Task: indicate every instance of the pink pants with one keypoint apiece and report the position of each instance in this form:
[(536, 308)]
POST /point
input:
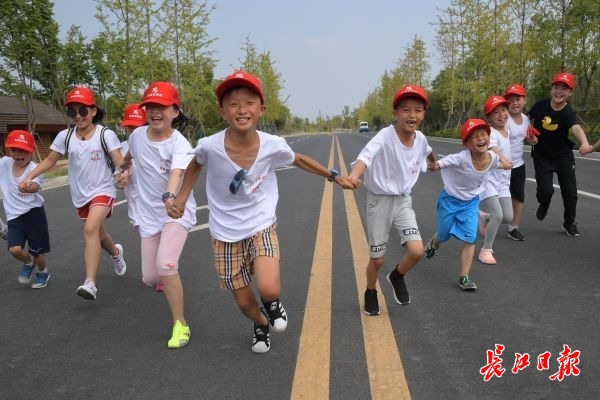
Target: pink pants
[(160, 252)]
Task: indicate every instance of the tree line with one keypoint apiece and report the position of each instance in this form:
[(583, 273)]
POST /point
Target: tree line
[(483, 46)]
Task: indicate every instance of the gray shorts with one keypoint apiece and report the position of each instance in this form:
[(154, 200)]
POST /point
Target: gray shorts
[(383, 212)]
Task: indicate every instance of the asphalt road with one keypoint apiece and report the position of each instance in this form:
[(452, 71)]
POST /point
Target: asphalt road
[(542, 295)]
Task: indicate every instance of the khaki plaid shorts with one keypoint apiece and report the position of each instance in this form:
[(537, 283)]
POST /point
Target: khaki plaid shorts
[(234, 262)]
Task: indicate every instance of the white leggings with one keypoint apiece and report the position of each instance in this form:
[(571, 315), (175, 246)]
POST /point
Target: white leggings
[(500, 211), (160, 252)]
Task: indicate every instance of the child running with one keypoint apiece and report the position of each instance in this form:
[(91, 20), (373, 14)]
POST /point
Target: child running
[(133, 117), (25, 213), (391, 163), (161, 155), (91, 149), (495, 199), (520, 129), (464, 174), (241, 187)]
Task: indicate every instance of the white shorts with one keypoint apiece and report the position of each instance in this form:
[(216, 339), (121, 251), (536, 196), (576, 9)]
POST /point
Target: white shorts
[(385, 211)]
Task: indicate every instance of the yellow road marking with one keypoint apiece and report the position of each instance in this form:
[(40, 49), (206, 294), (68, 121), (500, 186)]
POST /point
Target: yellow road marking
[(386, 373), (311, 378)]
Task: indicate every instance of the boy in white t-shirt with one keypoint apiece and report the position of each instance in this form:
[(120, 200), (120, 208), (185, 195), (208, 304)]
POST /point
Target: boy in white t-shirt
[(391, 163), (90, 147), (520, 129), (25, 213), (242, 216), (464, 175)]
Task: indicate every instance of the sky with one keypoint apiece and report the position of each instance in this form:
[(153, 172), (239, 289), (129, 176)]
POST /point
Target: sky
[(330, 53)]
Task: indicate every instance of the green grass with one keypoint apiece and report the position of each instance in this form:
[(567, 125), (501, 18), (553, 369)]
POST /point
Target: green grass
[(55, 173)]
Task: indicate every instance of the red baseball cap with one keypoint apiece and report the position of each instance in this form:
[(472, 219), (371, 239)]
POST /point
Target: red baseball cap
[(81, 94), (492, 102), (515, 88), (470, 126), (133, 115), (410, 91), (18, 139), (239, 78), (565, 77), (162, 93)]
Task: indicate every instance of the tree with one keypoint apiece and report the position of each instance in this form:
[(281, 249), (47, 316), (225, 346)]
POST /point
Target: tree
[(28, 52)]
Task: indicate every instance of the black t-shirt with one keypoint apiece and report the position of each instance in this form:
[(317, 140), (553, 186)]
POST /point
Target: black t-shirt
[(553, 127)]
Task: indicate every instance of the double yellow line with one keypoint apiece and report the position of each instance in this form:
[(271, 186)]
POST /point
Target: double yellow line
[(311, 378)]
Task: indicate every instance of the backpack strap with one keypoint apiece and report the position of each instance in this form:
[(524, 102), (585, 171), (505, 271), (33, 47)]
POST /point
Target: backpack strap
[(68, 139), (109, 161)]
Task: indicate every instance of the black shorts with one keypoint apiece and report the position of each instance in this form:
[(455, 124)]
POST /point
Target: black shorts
[(517, 183), (30, 228)]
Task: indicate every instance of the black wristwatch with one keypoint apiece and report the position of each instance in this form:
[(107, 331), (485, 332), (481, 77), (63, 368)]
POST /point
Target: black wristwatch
[(332, 174), (167, 195)]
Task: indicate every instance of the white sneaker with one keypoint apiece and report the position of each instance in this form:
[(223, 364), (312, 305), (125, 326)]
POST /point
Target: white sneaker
[(3, 230), (88, 290), (118, 262), (276, 315)]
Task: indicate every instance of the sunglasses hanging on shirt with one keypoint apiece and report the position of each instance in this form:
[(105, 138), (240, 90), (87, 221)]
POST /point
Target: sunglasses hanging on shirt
[(237, 180)]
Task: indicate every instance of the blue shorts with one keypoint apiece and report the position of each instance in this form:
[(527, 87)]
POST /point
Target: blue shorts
[(30, 228), (458, 218)]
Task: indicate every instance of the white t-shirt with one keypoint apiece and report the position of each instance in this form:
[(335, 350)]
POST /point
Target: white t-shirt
[(393, 168), (15, 202), (234, 217), (89, 176), (518, 133), (461, 179), (498, 182), (131, 189), (153, 164)]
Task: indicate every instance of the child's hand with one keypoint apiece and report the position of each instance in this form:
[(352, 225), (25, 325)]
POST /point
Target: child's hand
[(505, 164), (433, 166), (122, 179), (354, 181), (24, 185), (532, 135), (174, 208), (343, 181), (585, 149)]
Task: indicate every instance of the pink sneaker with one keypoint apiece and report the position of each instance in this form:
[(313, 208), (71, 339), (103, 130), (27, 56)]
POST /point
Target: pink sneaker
[(482, 223), (486, 256)]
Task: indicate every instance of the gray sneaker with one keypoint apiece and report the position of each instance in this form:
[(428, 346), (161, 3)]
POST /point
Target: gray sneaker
[(88, 290), (119, 262)]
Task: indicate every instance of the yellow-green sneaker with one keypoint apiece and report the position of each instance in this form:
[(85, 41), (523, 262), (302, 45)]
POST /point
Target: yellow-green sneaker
[(180, 337)]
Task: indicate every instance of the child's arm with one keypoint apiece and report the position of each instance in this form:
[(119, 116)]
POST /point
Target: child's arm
[(311, 165), (431, 161), (48, 162), (192, 172), (579, 134), (358, 169), (122, 173), (169, 197), (595, 147), (32, 188), (504, 162)]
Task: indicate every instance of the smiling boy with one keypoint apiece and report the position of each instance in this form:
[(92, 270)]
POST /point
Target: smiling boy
[(242, 193), (391, 163), (553, 118)]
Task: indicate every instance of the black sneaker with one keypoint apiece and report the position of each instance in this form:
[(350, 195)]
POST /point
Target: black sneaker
[(400, 292), (541, 212), (371, 302), (261, 343), (516, 234), (570, 229), (276, 315)]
